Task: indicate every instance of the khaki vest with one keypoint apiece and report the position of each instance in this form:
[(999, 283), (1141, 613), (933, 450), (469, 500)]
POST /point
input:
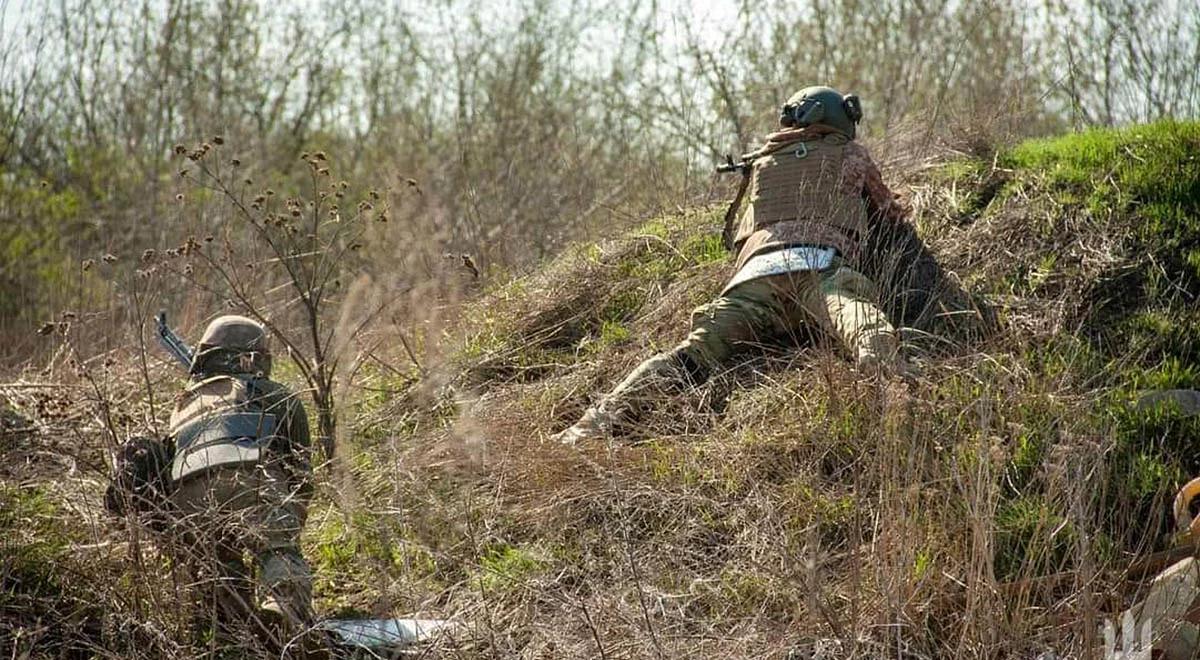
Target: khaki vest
[(796, 198), (216, 423)]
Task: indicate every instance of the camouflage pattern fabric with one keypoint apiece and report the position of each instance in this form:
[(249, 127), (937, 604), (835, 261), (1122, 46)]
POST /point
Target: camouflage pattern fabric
[(835, 307), (229, 513), (255, 510)]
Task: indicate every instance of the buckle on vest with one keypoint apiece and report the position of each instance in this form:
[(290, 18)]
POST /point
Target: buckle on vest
[(802, 151)]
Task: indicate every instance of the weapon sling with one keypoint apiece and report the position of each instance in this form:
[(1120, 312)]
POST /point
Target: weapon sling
[(728, 233)]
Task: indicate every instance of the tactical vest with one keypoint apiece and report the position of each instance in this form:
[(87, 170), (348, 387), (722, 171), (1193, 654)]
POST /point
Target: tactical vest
[(217, 422), (797, 198)]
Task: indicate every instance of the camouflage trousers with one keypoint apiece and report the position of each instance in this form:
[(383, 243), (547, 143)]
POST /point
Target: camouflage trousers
[(230, 513), (834, 307)]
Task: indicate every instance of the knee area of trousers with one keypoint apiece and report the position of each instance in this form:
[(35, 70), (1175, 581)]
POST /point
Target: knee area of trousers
[(879, 346), (284, 566)]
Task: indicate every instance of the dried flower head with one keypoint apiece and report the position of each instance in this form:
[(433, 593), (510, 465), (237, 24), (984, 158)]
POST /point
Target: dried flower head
[(217, 139), (179, 149), (87, 264), (109, 258)]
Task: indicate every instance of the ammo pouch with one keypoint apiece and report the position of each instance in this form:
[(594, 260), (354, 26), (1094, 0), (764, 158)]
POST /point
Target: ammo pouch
[(218, 423)]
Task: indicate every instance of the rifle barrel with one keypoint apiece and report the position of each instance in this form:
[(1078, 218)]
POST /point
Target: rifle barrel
[(172, 343)]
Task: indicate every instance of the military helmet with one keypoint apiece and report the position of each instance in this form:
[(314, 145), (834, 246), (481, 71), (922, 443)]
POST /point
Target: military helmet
[(233, 344), (822, 105)]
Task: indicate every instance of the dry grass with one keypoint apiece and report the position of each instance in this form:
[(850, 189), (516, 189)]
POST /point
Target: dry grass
[(989, 512)]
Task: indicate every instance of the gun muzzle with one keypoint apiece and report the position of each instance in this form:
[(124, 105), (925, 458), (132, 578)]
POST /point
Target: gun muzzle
[(732, 166)]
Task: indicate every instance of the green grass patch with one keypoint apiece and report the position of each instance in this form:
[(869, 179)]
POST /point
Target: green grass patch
[(1148, 173), (503, 566), (1032, 538)]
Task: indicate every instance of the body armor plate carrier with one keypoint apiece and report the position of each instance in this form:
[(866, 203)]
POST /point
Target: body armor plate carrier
[(217, 423), (797, 198)]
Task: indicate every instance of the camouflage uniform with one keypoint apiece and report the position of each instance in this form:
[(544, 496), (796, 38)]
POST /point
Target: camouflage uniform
[(238, 494), (818, 213)]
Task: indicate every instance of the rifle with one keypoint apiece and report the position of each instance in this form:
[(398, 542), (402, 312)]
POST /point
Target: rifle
[(743, 166), (172, 343)]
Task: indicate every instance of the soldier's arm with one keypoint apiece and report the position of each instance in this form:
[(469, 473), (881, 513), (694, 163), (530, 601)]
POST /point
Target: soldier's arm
[(299, 455), (882, 204), (916, 290)]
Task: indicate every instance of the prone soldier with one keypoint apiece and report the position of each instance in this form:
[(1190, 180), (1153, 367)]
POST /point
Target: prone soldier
[(815, 195)]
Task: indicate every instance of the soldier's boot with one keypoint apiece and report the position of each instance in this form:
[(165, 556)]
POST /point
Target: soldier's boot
[(303, 643), (595, 423), (287, 603), (653, 377), (273, 625)]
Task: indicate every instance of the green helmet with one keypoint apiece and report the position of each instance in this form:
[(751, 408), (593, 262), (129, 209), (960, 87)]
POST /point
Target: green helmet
[(233, 344), (822, 105)]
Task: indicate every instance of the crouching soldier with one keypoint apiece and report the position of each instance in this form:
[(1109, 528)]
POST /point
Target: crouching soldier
[(241, 475), (815, 195)]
